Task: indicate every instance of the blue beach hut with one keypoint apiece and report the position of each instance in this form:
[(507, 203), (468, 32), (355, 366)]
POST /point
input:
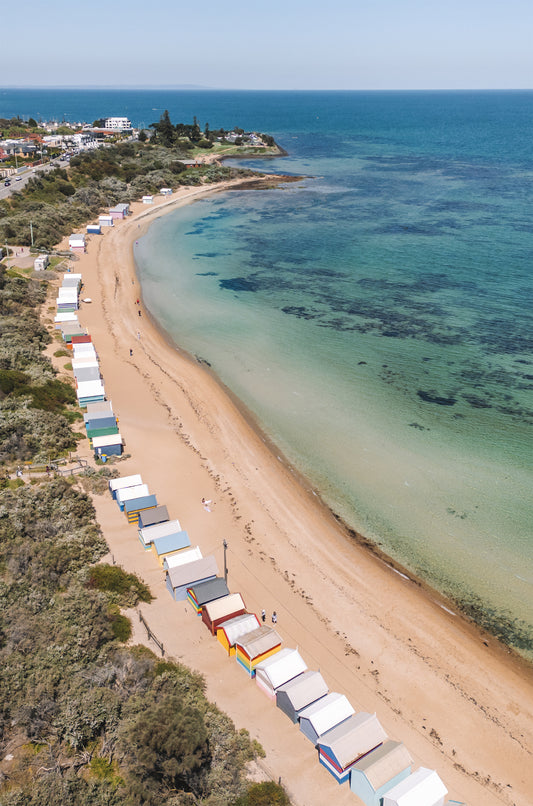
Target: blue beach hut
[(379, 771), (170, 544)]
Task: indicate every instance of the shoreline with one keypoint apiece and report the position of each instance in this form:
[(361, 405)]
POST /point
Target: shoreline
[(299, 532)]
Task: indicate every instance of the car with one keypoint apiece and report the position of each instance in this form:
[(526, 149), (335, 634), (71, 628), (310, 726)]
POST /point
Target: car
[(18, 179), (7, 184)]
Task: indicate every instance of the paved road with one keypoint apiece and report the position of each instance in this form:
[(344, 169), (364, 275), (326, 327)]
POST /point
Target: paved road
[(19, 180)]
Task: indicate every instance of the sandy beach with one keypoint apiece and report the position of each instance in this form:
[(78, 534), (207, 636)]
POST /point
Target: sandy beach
[(460, 702)]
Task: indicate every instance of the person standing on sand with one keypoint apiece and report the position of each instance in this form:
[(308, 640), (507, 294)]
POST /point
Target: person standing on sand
[(131, 351), (263, 616), (274, 617)]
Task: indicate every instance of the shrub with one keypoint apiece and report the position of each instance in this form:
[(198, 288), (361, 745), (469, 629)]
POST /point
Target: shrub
[(113, 579)]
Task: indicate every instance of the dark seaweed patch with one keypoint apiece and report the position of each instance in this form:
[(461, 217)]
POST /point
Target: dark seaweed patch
[(207, 274), (240, 284), (433, 397)]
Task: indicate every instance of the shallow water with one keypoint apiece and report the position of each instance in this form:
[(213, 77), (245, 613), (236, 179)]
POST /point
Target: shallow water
[(376, 317)]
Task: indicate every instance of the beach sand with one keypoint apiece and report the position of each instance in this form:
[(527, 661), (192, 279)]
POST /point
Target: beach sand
[(460, 702)]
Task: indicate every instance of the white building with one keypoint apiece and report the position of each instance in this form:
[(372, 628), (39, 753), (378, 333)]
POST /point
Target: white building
[(117, 123)]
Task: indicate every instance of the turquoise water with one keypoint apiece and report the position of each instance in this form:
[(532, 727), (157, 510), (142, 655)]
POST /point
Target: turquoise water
[(375, 316)]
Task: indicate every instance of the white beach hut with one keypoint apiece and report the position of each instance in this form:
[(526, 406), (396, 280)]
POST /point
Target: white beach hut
[(147, 199), (324, 714), (421, 788), (297, 694), (182, 558), (273, 672)]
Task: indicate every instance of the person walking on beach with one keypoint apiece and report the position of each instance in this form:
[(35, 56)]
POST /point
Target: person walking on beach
[(274, 617), (131, 351), (263, 616)]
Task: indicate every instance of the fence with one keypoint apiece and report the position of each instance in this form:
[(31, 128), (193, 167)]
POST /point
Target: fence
[(150, 634)]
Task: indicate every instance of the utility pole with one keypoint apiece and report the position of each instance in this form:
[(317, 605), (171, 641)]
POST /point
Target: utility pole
[(31, 232), (224, 543)]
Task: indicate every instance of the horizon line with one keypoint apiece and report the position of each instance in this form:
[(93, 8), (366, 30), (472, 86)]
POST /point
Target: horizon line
[(201, 88)]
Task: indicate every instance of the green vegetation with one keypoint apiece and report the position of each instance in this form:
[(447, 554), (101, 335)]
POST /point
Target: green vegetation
[(84, 719)]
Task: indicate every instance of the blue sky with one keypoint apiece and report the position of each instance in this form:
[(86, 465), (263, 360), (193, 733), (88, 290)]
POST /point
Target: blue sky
[(362, 44)]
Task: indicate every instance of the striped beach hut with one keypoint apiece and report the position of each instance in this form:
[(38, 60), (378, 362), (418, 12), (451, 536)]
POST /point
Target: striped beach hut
[(127, 493), (110, 445), (252, 648), (216, 613), (121, 483), (343, 745), (135, 506), (152, 517), (230, 631), (324, 714), (89, 392), (168, 545), (182, 558), (149, 533), (273, 672), (201, 593), (180, 578), (379, 771), (422, 788), (297, 694)]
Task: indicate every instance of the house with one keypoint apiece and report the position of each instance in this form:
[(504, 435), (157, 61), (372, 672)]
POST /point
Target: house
[(149, 533), (379, 771), (153, 516), (76, 242), (182, 558), (180, 578), (201, 593), (324, 714), (110, 445), (117, 124), (135, 506), (421, 788), (121, 483), (230, 631), (340, 747), (273, 672), (220, 610), (297, 694), (170, 544), (252, 648), (41, 262)]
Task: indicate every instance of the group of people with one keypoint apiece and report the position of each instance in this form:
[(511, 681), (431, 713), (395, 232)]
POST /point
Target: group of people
[(274, 617)]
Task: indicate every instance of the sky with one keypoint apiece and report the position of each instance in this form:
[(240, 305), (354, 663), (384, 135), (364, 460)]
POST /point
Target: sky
[(282, 44)]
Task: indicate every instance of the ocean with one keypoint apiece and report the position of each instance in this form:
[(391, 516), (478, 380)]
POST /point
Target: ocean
[(375, 316)]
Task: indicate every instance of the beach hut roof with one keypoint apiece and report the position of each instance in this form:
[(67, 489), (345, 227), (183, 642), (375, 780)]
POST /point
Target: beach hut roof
[(153, 516), (66, 316), (136, 504), (184, 557), (100, 405), (259, 641), (149, 533), (422, 788), (90, 388), (188, 574), (305, 689), (97, 417), (127, 493), (384, 763), (106, 442), (327, 712), (206, 592), (125, 481), (224, 606), (353, 737), (240, 625), (173, 542), (281, 667)]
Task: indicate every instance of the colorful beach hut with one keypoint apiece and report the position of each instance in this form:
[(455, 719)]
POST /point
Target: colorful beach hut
[(121, 483), (134, 507), (119, 211), (297, 694), (149, 533), (379, 771), (228, 607), (102, 428), (93, 229), (273, 672), (252, 648), (89, 392), (203, 592), (105, 220), (230, 631), (422, 788), (127, 493), (153, 516), (324, 714), (182, 558), (343, 745), (110, 445), (180, 578), (76, 242), (168, 545)]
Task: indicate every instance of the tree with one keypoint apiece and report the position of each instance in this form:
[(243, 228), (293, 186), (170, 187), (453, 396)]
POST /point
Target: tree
[(165, 130), (142, 136), (32, 123)]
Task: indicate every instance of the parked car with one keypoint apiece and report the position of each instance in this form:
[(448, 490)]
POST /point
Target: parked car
[(7, 184), (18, 179)]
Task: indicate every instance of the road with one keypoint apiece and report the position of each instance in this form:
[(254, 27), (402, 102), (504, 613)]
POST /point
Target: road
[(19, 180)]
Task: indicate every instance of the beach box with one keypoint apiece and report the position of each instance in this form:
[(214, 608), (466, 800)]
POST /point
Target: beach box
[(136, 505), (204, 592), (229, 631), (102, 405), (252, 648), (89, 392), (273, 672), (87, 373), (324, 714), (220, 610), (380, 770), (180, 578), (169, 545), (128, 493), (166, 191), (147, 199), (121, 483), (423, 786), (342, 746), (105, 220), (182, 558), (82, 338), (297, 694), (94, 229), (98, 417), (154, 516), (149, 533), (107, 446)]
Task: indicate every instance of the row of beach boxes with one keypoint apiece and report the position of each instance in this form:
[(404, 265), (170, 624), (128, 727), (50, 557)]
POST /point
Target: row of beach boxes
[(67, 300), (352, 746), (77, 241)]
